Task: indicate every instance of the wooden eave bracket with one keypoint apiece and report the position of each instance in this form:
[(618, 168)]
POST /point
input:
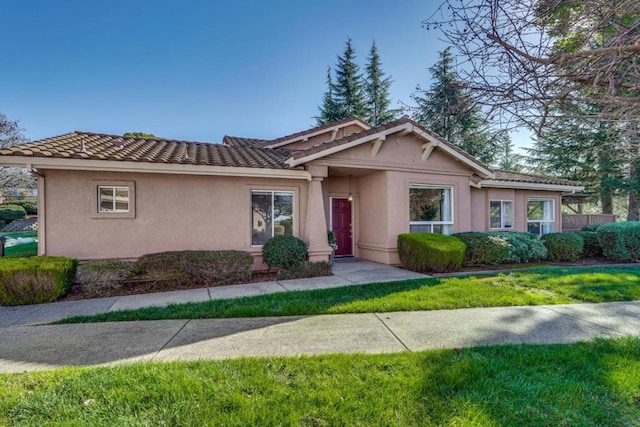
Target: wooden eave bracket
[(376, 144), (427, 149), (334, 133)]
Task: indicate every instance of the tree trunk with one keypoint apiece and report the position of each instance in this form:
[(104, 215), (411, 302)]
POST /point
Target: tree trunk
[(634, 203), (606, 199)]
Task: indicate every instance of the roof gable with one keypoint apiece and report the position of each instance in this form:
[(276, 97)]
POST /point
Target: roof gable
[(377, 135)]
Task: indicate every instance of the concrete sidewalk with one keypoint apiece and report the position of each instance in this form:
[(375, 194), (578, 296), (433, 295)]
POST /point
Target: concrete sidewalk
[(24, 348), (347, 272)]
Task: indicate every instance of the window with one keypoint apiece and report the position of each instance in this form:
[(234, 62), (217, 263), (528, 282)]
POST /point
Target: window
[(540, 216), (501, 214), (271, 215), (113, 199), (430, 209)]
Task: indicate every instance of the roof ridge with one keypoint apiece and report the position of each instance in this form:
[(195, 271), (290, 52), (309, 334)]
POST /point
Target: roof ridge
[(315, 129), (159, 139)]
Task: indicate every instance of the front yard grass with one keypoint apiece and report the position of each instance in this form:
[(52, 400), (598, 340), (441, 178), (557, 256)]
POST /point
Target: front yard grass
[(586, 384), (25, 250), (517, 288)]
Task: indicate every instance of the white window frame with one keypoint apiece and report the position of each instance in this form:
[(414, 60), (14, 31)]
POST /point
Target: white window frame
[(431, 224), (114, 189), (503, 219), (273, 224), (551, 221), (97, 212)]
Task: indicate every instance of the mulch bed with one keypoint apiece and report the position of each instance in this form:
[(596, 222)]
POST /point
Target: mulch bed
[(145, 287)]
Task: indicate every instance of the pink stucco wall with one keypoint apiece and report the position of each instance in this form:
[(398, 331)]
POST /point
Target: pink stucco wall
[(173, 212)]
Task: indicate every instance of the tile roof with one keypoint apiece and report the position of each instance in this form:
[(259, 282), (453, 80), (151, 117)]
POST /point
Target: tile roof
[(314, 130), (95, 146), (239, 141), (508, 176)]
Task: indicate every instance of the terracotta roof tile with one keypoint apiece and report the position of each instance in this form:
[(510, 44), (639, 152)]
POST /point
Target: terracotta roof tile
[(93, 146), (313, 130), (502, 175), (239, 141)]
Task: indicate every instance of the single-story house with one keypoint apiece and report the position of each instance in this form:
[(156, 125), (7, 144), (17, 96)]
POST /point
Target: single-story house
[(108, 196)]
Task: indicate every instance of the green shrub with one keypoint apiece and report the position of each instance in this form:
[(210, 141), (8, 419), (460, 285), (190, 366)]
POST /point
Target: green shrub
[(284, 251), (100, 277), (620, 240), (35, 280), (592, 247), (10, 212), (563, 246), (427, 252), (2, 224), (483, 248), (305, 270), (31, 208), (193, 268), (501, 247), (593, 227)]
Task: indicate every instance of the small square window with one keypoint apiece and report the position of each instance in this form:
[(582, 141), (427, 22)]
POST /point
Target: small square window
[(501, 214), (113, 199)]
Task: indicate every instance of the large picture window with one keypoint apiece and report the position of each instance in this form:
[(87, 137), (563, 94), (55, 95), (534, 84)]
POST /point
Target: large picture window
[(501, 214), (271, 215), (430, 209), (113, 199), (540, 216)]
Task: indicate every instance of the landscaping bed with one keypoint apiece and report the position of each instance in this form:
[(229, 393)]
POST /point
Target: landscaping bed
[(145, 286)]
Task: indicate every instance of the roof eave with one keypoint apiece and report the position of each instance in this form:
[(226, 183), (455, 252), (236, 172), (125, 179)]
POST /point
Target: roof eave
[(149, 167), (316, 133), (530, 186)]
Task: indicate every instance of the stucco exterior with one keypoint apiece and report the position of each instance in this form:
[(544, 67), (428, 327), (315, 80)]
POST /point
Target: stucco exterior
[(187, 196)]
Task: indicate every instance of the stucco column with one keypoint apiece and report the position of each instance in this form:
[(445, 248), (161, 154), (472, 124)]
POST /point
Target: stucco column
[(316, 223)]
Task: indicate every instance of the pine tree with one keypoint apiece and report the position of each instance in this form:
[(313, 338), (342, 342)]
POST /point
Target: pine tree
[(349, 85), (448, 110), (506, 158), (329, 111), (377, 86)]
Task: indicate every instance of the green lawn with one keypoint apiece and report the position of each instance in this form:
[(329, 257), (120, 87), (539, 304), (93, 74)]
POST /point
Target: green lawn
[(26, 250), (533, 287), (587, 384)]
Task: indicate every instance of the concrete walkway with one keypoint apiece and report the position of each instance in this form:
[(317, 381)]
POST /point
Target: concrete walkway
[(25, 347), (347, 272)]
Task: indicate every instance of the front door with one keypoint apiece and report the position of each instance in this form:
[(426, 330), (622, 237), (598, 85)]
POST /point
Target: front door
[(341, 225)]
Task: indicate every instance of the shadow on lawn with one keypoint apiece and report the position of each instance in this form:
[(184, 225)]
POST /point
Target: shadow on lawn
[(584, 384)]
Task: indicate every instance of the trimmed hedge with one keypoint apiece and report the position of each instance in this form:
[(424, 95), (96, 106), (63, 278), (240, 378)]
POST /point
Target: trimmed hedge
[(10, 212), (303, 271), (501, 247), (30, 207), (427, 252), (35, 280), (620, 240), (593, 227), (284, 251), (213, 268), (591, 247), (100, 277), (563, 246)]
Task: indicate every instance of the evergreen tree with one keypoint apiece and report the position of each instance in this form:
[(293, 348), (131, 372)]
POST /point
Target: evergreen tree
[(448, 110), (329, 111), (506, 158), (575, 147), (377, 86), (349, 85)]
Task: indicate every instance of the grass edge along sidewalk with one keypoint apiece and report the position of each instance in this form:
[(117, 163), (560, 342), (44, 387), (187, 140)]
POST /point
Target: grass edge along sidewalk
[(586, 384), (515, 288)]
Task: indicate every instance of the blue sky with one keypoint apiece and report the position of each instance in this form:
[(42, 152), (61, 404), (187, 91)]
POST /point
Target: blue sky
[(196, 70)]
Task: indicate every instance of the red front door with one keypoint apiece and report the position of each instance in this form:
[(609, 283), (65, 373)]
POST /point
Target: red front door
[(341, 225)]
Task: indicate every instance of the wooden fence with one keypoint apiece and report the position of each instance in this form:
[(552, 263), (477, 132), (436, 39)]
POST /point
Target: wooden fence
[(577, 221)]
